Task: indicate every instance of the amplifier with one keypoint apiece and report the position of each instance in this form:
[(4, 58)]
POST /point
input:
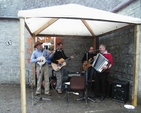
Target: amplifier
[(120, 91)]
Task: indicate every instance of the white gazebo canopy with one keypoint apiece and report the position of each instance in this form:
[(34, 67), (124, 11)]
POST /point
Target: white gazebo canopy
[(72, 19)]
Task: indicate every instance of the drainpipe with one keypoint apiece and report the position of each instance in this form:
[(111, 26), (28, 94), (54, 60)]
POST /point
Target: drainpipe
[(122, 5)]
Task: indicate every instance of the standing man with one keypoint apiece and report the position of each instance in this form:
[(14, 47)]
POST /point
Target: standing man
[(40, 57), (87, 61), (101, 78), (59, 53)]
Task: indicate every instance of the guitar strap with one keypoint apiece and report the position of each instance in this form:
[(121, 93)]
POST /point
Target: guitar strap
[(87, 56), (42, 52)]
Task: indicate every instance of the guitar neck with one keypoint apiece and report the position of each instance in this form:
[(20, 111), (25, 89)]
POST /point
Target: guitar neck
[(68, 59), (64, 60)]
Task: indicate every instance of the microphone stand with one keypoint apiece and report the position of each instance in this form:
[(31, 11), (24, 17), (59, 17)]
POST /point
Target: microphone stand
[(86, 97), (86, 91)]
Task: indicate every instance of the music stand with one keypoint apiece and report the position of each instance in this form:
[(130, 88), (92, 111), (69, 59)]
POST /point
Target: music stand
[(86, 97)]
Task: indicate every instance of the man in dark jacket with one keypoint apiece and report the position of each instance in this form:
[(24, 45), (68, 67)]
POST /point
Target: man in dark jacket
[(87, 61), (57, 62)]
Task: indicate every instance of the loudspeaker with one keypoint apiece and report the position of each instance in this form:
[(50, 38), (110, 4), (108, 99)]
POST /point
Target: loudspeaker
[(120, 91)]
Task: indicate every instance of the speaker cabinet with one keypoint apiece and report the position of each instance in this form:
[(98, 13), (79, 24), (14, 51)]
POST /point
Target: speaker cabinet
[(120, 91)]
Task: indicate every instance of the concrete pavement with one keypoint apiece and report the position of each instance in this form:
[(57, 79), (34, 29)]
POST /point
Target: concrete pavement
[(10, 102)]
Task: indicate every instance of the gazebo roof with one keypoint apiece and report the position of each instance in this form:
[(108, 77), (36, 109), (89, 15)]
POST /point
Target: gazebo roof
[(73, 19)]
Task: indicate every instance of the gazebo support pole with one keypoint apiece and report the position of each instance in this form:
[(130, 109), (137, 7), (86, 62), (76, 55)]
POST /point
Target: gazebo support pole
[(136, 72), (33, 65), (22, 66)]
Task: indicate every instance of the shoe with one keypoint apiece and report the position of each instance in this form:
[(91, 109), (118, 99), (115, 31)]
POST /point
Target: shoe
[(102, 98), (48, 94), (59, 91), (37, 94)]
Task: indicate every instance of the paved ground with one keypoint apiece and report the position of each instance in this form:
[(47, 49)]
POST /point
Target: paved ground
[(10, 103)]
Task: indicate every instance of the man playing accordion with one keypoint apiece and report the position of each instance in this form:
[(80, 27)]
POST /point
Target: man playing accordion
[(101, 77)]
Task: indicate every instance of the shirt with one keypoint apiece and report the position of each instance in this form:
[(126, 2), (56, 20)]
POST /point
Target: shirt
[(110, 58), (37, 53)]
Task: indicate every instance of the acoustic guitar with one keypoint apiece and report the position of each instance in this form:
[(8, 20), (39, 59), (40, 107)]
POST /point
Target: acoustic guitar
[(87, 64), (57, 67)]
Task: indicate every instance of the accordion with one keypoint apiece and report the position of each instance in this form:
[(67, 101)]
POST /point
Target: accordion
[(100, 61)]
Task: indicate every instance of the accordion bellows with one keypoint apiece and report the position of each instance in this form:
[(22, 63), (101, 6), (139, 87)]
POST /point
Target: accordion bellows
[(100, 61)]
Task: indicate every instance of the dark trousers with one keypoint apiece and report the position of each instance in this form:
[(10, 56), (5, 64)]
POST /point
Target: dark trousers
[(91, 71), (101, 83)]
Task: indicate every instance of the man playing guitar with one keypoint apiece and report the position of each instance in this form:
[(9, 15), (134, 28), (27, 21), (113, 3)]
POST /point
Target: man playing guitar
[(87, 61), (57, 59)]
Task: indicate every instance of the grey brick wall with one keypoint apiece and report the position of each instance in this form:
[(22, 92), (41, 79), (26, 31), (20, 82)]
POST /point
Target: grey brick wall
[(10, 54)]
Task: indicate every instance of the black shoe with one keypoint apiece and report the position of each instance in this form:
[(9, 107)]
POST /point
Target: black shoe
[(102, 98)]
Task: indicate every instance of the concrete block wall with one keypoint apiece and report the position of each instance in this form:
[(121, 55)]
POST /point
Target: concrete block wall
[(10, 54)]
